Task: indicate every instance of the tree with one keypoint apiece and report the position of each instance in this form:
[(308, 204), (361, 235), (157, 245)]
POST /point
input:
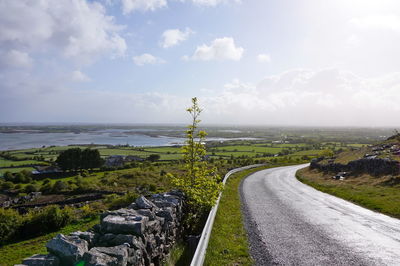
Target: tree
[(75, 159), (91, 159), (153, 157), (199, 182), (70, 159)]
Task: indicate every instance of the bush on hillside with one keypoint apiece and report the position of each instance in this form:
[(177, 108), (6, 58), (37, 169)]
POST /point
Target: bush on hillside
[(48, 219), (10, 222)]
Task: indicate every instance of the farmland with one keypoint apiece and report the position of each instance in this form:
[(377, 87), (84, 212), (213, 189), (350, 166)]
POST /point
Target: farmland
[(91, 192)]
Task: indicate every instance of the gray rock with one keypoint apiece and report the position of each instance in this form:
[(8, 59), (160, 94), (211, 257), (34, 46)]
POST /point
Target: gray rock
[(166, 200), (41, 260), (166, 213), (154, 227), (161, 220), (118, 252), (119, 212), (143, 203), (124, 224), (106, 240), (131, 240), (146, 212), (135, 257), (160, 239), (69, 249), (88, 236), (93, 257), (151, 246)]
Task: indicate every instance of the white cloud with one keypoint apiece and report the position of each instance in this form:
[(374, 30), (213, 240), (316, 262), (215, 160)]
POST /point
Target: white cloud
[(15, 58), (385, 22), (305, 97), (129, 6), (219, 49), (74, 28), (78, 76), (173, 37), (212, 3), (301, 97), (146, 59), (264, 58)]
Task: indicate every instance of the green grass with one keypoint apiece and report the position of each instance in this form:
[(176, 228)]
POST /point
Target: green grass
[(180, 255), (364, 191), (308, 152), (9, 163), (108, 152), (16, 170), (14, 253), (248, 148), (164, 149), (228, 243)]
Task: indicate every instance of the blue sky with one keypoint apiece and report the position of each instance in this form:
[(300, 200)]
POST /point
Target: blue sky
[(306, 62)]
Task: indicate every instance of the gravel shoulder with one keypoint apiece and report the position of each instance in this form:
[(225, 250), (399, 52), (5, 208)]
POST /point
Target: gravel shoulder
[(290, 223)]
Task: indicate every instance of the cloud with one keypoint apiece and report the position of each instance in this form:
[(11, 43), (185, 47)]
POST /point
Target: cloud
[(219, 49), (173, 37), (301, 97), (129, 6), (15, 58), (78, 76), (212, 3), (378, 22), (77, 29), (146, 59), (264, 58)]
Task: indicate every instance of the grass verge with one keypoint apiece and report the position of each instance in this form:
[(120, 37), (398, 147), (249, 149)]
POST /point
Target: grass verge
[(228, 244), (14, 253), (369, 192)]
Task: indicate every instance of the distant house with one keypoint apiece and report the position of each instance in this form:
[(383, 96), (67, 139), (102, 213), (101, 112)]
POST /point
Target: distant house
[(133, 158), (280, 142), (46, 170), (114, 161)]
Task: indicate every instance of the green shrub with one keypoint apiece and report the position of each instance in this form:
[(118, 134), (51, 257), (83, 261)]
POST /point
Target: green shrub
[(46, 188), (31, 188), (60, 186), (88, 212), (116, 202), (152, 187), (7, 185), (48, 219), (10, 222), (85, 173)]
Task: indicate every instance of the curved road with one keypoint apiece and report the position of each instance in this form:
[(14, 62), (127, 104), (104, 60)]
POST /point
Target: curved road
[(290, 223)]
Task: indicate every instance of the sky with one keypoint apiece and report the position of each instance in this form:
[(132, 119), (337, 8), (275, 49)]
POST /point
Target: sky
[(249, 62)]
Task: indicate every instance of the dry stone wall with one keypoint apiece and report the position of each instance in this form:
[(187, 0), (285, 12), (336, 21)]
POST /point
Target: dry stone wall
[(141, 234)]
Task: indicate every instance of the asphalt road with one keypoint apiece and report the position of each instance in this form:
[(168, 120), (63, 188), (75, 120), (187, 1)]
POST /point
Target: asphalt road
[(290, 223)]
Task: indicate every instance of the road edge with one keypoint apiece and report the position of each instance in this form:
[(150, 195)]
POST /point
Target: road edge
[(257, 247)]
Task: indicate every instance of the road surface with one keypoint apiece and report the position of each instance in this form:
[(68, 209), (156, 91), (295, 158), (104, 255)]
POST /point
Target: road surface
[(290, 223)]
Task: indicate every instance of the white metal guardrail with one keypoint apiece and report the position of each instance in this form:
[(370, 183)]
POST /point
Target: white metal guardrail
[(200, 254)]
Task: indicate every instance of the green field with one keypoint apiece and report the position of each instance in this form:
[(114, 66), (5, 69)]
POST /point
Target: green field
[(249, 148), (16, 170), (9, 163)]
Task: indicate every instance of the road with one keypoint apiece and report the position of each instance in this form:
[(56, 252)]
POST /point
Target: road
[(290, 223)]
